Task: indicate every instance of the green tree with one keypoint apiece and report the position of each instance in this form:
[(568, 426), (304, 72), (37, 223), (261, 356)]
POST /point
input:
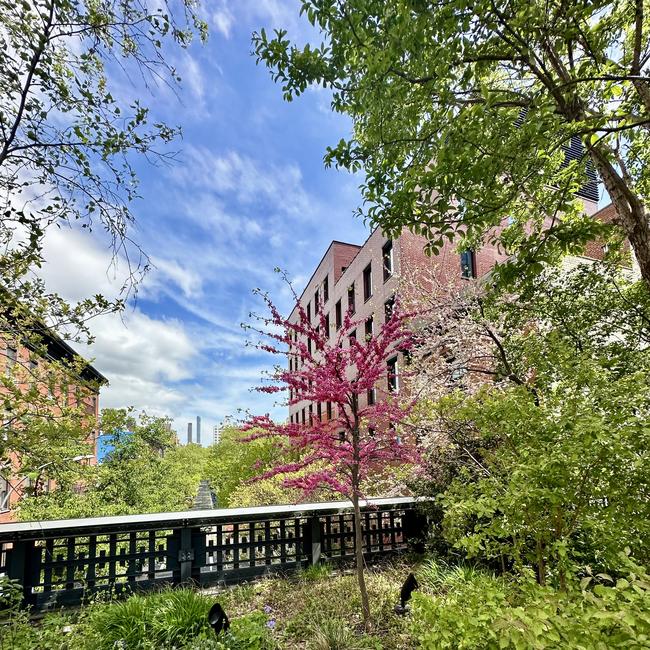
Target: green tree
[(549, 465), (69, 144), (146, 471), (462, 112), (233, 462)]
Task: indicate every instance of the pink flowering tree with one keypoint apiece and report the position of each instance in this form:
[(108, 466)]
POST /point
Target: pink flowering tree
[(344, 371)]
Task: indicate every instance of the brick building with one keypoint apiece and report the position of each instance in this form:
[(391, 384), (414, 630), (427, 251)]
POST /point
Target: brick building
[(364, 278), (25, 366)]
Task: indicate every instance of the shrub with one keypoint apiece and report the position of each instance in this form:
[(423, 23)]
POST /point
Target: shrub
[(316, 572), (127, 623), (489, 612), (334, 634)]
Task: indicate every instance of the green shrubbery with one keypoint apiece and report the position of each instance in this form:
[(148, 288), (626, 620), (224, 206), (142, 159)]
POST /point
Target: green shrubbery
[(474, 609), (168, 619)]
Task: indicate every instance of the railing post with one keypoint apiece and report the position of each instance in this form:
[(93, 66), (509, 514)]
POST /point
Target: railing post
[(414, 525), (24, 565), (186, 555), (314, 530)]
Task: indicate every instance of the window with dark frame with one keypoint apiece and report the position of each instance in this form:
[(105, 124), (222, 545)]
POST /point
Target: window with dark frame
[(327, 325), (309, 344), (352, 337), (309, 312), (387, 257), (4, 494), (367, 282), (338, 315), (352, 307), (329, 410), (316, 302), (393, 379), (371, 397), (389, 305), (369, 326), (468, 264), (12, 356), (304, 415), (326, 289), (311, 415), (319, 411)]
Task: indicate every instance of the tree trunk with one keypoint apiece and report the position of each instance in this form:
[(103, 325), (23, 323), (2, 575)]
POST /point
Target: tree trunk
[(358, 551), (541, 566), (632, 216)]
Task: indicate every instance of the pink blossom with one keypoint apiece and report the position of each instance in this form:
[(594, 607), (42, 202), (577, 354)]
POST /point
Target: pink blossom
[(339, 371)]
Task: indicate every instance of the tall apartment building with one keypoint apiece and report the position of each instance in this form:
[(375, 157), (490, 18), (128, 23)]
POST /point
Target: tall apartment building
[(364, 278), (19, 362)]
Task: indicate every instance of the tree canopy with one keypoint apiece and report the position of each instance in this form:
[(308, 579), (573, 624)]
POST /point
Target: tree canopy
[(463, 113), (70, 142)]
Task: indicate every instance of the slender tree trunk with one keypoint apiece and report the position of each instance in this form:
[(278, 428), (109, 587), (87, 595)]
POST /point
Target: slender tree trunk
[(358, 547), (358, 536), (631, 213), (541, 566)]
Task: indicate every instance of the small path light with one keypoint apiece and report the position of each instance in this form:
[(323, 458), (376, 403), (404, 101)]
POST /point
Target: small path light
[(217, 619), (409, 586)]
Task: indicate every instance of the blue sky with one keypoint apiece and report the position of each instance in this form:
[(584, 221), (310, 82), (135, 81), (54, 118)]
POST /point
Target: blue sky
[(248, 193)]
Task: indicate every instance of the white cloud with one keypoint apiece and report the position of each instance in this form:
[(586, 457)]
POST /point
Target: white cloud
[(242, 177), (222, 20), (144, 347), (188, 280)]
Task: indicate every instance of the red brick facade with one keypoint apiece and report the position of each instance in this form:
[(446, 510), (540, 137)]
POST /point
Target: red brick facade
[(21, 362), (343, 265)]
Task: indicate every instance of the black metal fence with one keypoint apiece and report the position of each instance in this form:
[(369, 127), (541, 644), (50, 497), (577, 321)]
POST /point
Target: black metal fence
[(57, 562)]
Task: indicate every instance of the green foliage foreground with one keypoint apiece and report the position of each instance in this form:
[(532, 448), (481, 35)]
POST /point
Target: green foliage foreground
[(457, 606), (483, 611)]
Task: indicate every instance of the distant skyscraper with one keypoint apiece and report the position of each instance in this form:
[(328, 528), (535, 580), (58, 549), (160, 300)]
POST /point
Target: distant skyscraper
[(198, 429), (216, 434), (189, 432)]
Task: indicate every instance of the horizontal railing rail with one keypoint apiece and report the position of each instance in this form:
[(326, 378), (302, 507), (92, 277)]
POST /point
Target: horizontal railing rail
[(60, 562)]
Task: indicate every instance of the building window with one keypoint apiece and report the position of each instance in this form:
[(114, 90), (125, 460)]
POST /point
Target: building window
[(371, 397), (389, 305), (319, 411), (316, 302), (371, 432), (309, 344), (311, 415), (327, 325), (351, 301), (338, 315), (291, 419), (387, 256), (352, 337), (367, 282), (342, 435), (393, 379), (4, 494), (309, 312), (468, 264), (329, 410), (369, 328), (326, 289), (12, 356), (304, 415)]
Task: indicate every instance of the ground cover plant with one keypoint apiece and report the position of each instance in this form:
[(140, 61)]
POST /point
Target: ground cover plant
[(457, 605), (315, 609)]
